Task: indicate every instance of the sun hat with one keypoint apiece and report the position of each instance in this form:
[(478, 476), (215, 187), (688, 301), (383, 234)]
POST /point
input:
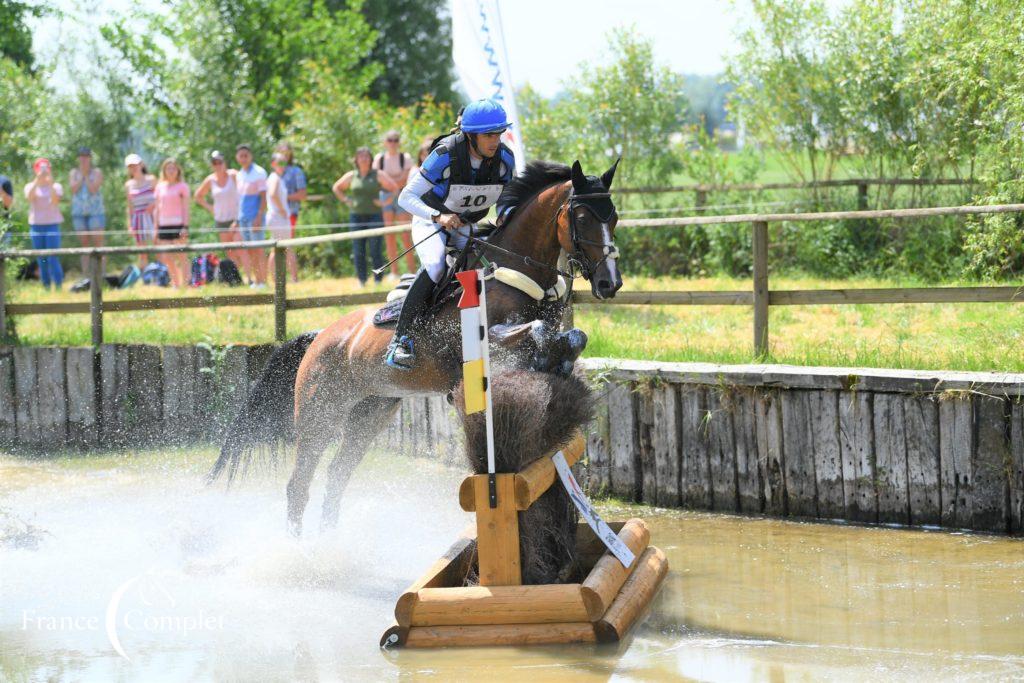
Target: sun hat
[(132, 159)]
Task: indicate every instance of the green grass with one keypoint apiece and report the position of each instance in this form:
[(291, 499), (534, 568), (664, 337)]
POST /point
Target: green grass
[(987, 337)]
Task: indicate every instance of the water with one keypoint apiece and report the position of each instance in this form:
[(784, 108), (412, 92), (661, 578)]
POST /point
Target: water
[(199, 585)]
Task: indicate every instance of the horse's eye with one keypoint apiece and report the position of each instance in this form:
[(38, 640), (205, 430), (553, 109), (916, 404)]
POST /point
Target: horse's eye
[(581, 216)]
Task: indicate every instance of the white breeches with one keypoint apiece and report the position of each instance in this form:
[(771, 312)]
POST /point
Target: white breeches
[(432, 251)]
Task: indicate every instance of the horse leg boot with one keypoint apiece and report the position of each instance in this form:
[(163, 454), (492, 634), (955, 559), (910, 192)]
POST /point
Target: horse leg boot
[(364, 422), (400, 351)]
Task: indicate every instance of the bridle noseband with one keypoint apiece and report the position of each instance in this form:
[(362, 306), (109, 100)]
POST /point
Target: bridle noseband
[(578, 259)]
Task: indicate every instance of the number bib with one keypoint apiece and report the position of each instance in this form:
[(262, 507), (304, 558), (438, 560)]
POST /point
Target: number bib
[(463, 198)]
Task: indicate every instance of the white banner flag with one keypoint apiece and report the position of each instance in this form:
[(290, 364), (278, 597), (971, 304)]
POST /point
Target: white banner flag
[(481, 62)]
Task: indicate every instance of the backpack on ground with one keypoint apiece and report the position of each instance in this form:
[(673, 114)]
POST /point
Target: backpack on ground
[(204, 269), (157, 274), (228, 273), (129, 276), (82, 285)]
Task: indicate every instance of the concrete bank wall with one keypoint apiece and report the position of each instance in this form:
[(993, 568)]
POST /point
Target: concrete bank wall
[(919, 448)]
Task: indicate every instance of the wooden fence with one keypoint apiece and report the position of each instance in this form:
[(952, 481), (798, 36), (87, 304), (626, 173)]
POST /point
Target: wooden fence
[(875, 446), (760, 296)]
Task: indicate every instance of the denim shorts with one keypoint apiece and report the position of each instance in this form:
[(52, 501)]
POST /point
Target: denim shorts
[(250, 232), (95, 222)]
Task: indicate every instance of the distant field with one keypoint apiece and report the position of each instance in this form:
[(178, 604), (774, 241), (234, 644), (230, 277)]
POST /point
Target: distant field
[(986, 337)]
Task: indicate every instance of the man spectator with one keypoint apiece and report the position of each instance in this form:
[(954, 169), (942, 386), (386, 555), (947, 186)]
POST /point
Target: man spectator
[(252, 206), (396, 164)]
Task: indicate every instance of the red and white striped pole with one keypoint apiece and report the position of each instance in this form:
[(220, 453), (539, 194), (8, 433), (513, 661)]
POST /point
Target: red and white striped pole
[(476, 361)]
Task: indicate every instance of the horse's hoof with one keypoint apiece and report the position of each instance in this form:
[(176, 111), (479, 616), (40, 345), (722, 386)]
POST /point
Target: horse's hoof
[(295, 529)]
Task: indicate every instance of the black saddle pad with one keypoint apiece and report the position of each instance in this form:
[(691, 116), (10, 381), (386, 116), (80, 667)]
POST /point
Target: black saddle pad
[(387, 315)]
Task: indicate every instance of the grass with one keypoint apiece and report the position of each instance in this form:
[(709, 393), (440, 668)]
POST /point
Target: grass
[(987, 337)]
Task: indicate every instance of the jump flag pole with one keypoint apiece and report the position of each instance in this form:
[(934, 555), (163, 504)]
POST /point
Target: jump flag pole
[(476, 362)]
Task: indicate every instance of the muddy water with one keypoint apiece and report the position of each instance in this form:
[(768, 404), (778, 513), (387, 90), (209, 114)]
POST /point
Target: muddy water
[(128, 569)]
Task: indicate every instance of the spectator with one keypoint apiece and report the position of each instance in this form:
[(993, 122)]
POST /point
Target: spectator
[(295, 181), (44, 219), (278, 212), (140, 203), (6, 201), (223, 185), (364, 185), (423, 154), (252, 205), (87, 215), (395, 164), (171, 217)]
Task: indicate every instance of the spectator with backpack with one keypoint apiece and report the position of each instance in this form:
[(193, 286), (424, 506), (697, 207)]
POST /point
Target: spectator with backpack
[(395, 164)]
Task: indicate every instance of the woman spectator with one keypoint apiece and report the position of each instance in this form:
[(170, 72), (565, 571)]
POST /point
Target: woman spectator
[(140, 203), (295, 181), (223, 186), (395, 164), (171, 217), (44, 219), (423, 154), (88, 217), (360, 189), (278, 214)]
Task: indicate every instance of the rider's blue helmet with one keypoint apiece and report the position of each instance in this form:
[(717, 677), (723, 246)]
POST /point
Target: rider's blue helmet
[(484, 116)]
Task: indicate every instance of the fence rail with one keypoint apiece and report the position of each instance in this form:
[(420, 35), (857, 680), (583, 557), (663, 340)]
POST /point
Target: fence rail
[(761, 297)]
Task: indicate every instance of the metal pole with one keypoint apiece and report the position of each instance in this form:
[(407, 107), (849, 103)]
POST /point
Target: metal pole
[(96, 297), (761, 294), (280, 294)]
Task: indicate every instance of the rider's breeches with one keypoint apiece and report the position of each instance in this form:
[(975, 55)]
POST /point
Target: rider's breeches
[(432, 251)]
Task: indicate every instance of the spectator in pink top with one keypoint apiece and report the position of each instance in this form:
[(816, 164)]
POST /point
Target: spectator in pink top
[(44, 219), (172, 204)]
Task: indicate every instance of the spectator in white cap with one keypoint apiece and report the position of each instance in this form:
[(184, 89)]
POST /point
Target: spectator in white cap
[(222, 185), (140, 203)]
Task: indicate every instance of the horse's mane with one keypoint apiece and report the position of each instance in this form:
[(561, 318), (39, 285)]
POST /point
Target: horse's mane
[(537, 176)]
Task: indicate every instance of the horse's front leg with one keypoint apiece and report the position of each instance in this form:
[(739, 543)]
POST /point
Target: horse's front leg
[(537, 345)]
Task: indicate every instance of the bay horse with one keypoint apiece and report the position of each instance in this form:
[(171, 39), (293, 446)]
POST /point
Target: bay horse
[(343, 392)]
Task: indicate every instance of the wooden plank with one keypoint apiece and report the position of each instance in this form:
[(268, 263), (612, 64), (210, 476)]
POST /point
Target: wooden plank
[(897, 295), (114, 392), (665, 444), (336, 300), (1016, 468), (891, 459), (622, 432), (856, 445), (145, 391), (83, 427), (748, 472), (921, 423), (828, 459), (451, 569), (143, 304), (27, 411), (208, 369), (96, 299), (598, 465), (771, 451), (176, 383), (484, 605), (800, 478), (722, 450), (645, 427), (695, 470), (515, 635), (280, 295), (497, 533), (637, 593), (51, 388), (670, 298), (8, 398), (762, 297), (956, 446), (604, 581), (990, 464)]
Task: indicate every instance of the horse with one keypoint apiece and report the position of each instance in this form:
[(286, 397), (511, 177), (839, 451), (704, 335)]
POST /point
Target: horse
[(340, 389)]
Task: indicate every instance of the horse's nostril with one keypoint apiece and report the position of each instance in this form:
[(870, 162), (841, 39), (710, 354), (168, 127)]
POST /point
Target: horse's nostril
[(604, 285)]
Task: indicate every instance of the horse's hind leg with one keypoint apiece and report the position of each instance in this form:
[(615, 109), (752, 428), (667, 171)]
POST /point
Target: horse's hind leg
[(314, 433), (360, 427)]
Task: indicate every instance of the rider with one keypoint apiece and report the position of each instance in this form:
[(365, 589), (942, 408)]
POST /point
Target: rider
[(455, 187)]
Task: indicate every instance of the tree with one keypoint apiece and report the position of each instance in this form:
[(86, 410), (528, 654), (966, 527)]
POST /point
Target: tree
[(414, 47), (15, 34)]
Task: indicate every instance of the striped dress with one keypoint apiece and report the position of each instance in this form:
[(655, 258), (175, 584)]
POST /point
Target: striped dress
[(140, 199)]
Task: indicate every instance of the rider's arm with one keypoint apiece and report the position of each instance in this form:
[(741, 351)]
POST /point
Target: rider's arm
[(411, 198)]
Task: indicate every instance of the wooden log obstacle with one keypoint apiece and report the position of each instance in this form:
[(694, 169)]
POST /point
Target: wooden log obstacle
[(439, 610)]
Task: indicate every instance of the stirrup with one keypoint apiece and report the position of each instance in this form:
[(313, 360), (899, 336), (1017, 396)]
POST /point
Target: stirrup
[(400, 353)]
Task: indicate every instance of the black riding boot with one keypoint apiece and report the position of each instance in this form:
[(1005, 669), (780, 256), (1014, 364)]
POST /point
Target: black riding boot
[(400, 351)]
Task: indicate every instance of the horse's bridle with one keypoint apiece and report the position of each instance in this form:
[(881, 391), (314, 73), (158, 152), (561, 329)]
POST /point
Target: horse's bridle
[(578, 259)]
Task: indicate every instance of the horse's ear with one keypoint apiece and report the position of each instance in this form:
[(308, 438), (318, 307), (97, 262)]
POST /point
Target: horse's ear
[(606, 179), (579, 181)]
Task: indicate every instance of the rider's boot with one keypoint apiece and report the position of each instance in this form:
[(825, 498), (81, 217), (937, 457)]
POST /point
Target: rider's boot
[(400, 351)]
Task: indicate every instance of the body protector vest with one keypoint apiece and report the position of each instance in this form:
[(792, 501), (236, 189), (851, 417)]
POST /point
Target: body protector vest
[(462, 190)]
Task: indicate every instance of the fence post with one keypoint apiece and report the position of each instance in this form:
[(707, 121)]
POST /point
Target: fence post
[(701, 200), (280, 294), (760, 288), (96, 298), (3, 299), (862, 196)]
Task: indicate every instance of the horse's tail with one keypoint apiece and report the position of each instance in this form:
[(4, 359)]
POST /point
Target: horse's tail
[(267, 418)]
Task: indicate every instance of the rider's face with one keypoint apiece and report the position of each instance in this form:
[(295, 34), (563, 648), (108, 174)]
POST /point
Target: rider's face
[(488, 143)]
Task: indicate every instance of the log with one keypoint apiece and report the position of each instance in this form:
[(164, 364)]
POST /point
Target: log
[(607, 577), (665, 444), (921, 422), (179, 382), (956, 446), (622, 447), (590, 548), (722, 451), (891, 459), (51, 388), (598, 476), (990, 465), (897, 295), (770, 453), (636, 594), (695, 470), (828, 460), (506, 634), (800, 477), (645, 428), (83, 427), (27, 397), (145, 390), (450, 569), (748, 472), (482, 605), (856, 445), (497, 532), (114, 394), (8, 402), (1017, 468)]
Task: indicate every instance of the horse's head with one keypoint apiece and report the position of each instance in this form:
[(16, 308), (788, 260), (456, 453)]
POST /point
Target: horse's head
[(586, 230)]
